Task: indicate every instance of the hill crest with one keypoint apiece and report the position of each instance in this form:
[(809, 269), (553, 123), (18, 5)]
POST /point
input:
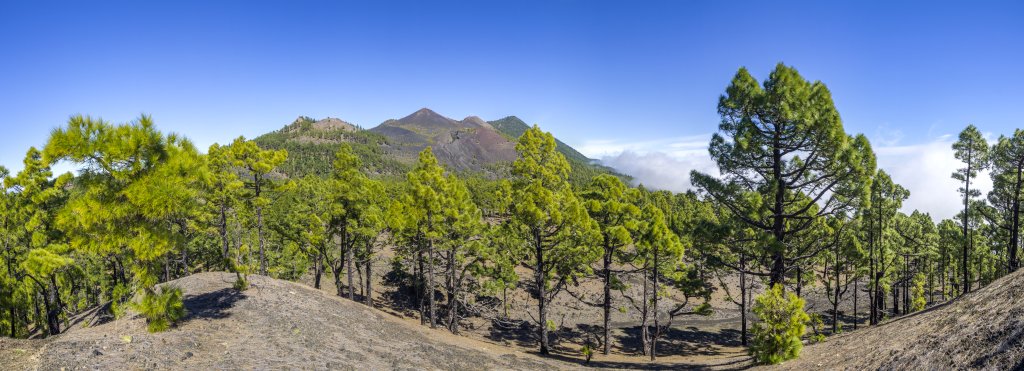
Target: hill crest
[(275, 324)]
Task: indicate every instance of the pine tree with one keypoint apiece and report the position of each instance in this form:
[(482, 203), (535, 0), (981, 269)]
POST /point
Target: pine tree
[(659, 252), (258, 163), (613, 206), (134, 183), (425, 205), (223, 191), (1007, 158), (36, 205), (357, 217), (972, 150), (782, 151), (465, 250), (545, 211)]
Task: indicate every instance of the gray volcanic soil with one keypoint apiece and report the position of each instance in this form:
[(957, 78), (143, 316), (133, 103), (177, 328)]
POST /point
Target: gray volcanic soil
[(981, 330), (273, 325)]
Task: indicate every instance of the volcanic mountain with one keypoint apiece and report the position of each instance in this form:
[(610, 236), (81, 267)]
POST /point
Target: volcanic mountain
[(469, 145)]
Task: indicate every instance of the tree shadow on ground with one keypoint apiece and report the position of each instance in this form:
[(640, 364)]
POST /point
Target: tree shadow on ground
[(735, 363), (523, 333), (212, 305), (683, 341)]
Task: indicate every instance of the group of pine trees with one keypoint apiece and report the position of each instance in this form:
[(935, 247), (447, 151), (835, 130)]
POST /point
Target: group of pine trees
[(798, 205)]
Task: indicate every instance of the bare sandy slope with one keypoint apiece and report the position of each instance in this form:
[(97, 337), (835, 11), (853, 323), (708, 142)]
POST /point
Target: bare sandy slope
[(274, 325), (982, 330)]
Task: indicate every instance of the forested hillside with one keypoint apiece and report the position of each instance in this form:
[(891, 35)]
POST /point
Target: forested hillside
[(504, 232)]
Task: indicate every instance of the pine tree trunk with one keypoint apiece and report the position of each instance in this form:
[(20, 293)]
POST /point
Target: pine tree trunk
[(430, 284), (654, 301), (538, 278), (835, 302), (52, 321), (14, 321), (871, 271), (743, 300), (349, 261), (856, 287), (317, 271), (607, 276), (645, 331), (369, 282), (453, 305), (967, 192), (895, 300), (420, 285), (1015, 225)]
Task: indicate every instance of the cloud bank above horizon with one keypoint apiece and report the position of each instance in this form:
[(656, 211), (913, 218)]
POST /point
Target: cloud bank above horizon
[(923, 168)]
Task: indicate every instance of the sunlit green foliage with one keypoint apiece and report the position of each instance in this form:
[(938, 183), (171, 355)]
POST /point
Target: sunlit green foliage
[(783, 322), (552, 220)]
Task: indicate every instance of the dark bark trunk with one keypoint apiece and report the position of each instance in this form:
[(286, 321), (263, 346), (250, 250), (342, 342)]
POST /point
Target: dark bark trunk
[(430, 284), (967, 193), (895, 300), (778, 270), (350, 272), (14, 321), (420, 286), (657, 325), (871, 271), (538, 278), (743, 301), (799, 281), (645, 325), (856, 287), (835, 301), (453, 305), (258, 178), (1015, 225), (224, 238), (317, 272), (369, 282), (606, 274)]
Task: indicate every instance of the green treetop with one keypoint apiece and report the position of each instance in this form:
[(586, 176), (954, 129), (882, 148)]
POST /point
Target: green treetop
[(258, 163), (972, 150), (134, 182), (782, 151), (544, 210), (659, 252), (614, 207)]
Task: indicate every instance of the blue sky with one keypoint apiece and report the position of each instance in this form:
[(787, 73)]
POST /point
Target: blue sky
[(632, 83)]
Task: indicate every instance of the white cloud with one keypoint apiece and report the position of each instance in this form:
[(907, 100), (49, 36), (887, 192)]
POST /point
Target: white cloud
[(924, 169), (658, 164)]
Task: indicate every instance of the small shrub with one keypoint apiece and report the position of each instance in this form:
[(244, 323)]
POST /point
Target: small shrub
[(776, 337), (241, 284), (818, 325), (588, 353), (161, 309), (118, 300), (917, 292)]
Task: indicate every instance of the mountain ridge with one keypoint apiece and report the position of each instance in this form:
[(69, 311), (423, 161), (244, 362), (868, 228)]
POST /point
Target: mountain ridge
[(471, 145)]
